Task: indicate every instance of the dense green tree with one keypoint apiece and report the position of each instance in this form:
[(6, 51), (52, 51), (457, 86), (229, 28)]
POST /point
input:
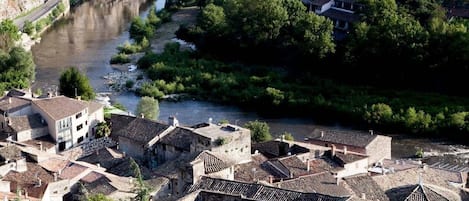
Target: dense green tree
[(260, 131), (102, 130), (73, 83), (148, 106), (140, 29), (152, 19), (379, 113), (16, 68), (212, 19), (9, 34), (29, 28)]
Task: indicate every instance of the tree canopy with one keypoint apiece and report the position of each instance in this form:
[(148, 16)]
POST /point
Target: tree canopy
[(9, 34), (148, 106), (73, 83), (260, 131)]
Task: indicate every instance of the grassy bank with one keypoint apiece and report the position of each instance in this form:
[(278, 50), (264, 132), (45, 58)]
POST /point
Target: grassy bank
[(277, 91)]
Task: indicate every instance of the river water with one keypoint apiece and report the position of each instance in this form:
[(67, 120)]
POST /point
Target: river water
[(87, 39)]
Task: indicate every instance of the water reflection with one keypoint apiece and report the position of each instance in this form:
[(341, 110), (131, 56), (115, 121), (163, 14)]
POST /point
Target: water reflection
[(86, 39)]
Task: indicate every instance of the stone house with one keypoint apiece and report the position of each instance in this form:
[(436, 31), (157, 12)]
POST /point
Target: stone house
[(68, 121), (376, 147)]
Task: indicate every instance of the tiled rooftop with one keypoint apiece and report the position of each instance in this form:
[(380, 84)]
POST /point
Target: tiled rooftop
[(214, 162), (142, 130), (72, 170), (179, 137), (365, 185), (244, 172), (323, 183), (68, 106), (29, 180), (253, 191), (10, 152), (22, 123), (12, 104), (54, 164), (346, 137)]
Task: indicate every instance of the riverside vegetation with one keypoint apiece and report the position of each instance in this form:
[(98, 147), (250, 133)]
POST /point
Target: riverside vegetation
[(361, 80)]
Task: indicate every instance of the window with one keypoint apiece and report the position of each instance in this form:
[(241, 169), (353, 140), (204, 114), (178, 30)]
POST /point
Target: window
[(80, 139), (78, 115), (86, 122), (86, 134), (79, 127)]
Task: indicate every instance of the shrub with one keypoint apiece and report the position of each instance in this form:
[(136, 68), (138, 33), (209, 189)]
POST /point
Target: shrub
[(259, 131), (128, 48), (120, 59), (129, 84)]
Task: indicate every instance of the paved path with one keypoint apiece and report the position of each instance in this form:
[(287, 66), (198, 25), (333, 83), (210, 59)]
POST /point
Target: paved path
[(37, 13)]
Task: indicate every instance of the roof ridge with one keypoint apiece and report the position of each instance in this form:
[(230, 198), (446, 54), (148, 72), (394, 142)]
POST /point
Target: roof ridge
[(276, 168)]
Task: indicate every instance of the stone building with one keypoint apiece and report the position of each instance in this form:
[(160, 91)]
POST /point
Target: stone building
[(376, 147)]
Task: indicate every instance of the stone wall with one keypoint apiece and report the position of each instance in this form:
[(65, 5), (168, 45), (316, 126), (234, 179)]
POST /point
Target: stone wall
[(88, 148), (13, 8)]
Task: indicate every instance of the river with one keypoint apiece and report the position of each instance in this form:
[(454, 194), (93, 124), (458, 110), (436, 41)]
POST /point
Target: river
[(88, 37)]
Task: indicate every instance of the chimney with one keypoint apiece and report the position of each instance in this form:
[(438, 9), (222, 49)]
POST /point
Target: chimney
[(371, 132), (9, 100), (40, 146), (123, 154), (142, 115), (322, 134), (291, 175), (26, 194), (345, 150), (49, 94), (78, 97), (332, 150), (420, 179), (55, 176), (363, 196), (39, 183), (337, 181), (172, 121), (308, 168), (271, 179)]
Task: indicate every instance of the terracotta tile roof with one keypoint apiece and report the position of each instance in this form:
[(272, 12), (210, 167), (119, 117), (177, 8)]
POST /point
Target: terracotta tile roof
[(54, 164), (106, 157), (346, 137), (71, 171), (214, 162), (347, 158), (94, 106), (419, 193), (15, 105), (10, 152), (91, 177), (180, 138), (319, 165), (123, 168), (100, 185), (27, 180), (286, 167), (142, 130), (22, 123), (46, 141), (365, 185), (341, 15), (252, 191), (441, 180), (323, 183), (60, 107), (244, 172)]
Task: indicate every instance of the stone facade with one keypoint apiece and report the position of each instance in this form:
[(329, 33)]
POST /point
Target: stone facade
[(31, 134), (379, 149)]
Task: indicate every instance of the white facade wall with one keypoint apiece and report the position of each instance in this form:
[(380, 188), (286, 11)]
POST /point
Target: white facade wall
[(357, 167)]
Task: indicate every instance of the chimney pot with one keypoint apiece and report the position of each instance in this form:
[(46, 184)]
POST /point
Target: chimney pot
[(291, 175), (345, 150), (142, 115), (271, 179), (9, 100), (55, 176), (307, 165), (337, 181), (322, 133), (333, 150)]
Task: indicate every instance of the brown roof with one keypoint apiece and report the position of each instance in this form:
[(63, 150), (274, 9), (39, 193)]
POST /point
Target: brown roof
[(15, 105), (10, 152), (22, 123), (324, 183), (179, 138), (54, 164), (347, 158), (286, 167), (253, 191), (72, 170), (272, 148), (94, 106), (346, 137), (28, 180), (106, 157), (91, 177), (365, 185), (60, 107), (142, 130), (341, 15), (46, 141), (244, 172), (319, 165), (101, 185), (417, 193)]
